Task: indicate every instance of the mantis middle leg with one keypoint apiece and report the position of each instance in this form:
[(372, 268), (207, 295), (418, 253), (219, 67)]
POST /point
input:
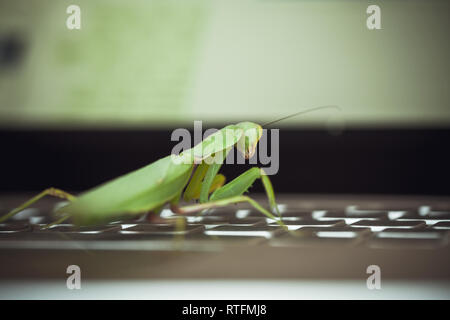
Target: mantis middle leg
[(47, 192)]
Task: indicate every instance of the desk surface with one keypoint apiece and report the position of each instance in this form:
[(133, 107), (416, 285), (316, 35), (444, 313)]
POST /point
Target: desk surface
[(225, 289)]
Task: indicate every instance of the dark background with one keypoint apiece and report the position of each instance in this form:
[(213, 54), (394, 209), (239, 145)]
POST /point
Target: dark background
[(383, 161)]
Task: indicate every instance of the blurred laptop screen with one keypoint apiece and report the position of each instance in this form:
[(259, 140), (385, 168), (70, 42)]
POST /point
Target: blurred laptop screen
[(166, 63)]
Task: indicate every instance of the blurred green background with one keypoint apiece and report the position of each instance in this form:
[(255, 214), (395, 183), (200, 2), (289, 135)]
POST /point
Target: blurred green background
[(158, 63)]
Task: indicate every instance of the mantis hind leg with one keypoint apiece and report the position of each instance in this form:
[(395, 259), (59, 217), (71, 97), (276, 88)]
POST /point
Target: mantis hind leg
[(193, 189), (47, 192), (211, 174)]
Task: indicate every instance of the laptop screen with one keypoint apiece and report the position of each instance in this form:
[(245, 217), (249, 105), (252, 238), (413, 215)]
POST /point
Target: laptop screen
[(145, 64)]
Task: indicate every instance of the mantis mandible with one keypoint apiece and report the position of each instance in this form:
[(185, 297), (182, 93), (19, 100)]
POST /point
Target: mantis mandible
[(191, 175)]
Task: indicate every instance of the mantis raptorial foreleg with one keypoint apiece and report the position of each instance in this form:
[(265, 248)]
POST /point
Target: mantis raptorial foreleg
[(234, 188), (232, 193), (194, 187), (195, 183), (218, 182), (241, 184), (228, 194), (211, 173), (47, 192)]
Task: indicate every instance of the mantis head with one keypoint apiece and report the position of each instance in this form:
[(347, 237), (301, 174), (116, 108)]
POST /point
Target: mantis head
[(252, 132)]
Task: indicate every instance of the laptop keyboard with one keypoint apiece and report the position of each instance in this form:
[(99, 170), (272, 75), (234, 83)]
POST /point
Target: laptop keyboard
[(419, 227)]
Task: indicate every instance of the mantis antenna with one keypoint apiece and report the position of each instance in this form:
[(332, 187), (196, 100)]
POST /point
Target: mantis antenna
[(302, 112)]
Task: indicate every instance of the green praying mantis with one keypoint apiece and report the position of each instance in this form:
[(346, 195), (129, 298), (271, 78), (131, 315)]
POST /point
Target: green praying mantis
[(192, 175)]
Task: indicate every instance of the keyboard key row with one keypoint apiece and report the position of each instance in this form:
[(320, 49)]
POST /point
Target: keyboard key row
[(338, 235), (349, 214)]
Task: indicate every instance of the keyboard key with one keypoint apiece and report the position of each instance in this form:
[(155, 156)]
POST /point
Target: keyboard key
[(212, 221), (255, 231), (209, 221), (26, 214), (70, 228), (221, 212), (428, 217), (343, 214), (354, 212), (337, 229), (394, 215), (412, 238), (41, 220), (14, 227), (297, 224), (428, 222), (162, 229), (322, 236), (410, 234), (323, 215), (426, 213), (296, 214), (443, 225), (158, 220), (33, 216), (285, 213), (380, 225), (248, 221)]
